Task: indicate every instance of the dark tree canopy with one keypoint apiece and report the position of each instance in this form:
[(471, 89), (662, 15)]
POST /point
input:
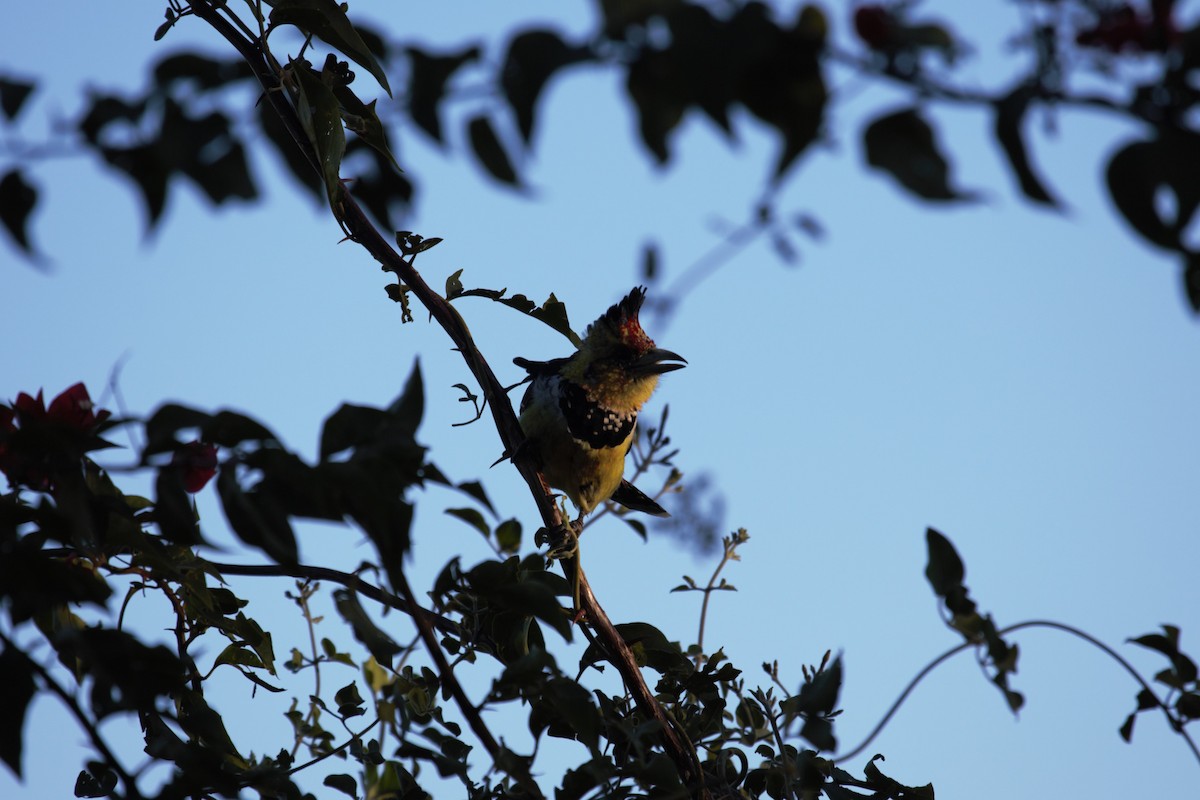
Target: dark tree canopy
[(433, 667)]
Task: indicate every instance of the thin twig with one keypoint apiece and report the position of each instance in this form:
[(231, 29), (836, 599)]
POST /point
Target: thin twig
[(350, 581), (928, 668)]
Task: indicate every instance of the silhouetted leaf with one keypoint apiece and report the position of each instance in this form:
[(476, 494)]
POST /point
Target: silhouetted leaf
[(349, 427), (490, 152), (508, 536), (1139, 172), (256, 518), (945, 569), (230, 429), (386, 193), (327, 20), (349, 701), (343, 783), (651, 83), (142, 165), (1010, 113), (166, 422), (532, 59), (206, 73), (105, 110), (1191, 281), (173, 511), (13, 95), (902, 143), (95, 781), (472, 517), (16, 678), (380, 645), (321, 116), (17, 201), (409, 407), (427, 81), (361, 118), (781, 81)]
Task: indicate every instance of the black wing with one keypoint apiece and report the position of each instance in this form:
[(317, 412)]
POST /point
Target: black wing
[(632, 497)]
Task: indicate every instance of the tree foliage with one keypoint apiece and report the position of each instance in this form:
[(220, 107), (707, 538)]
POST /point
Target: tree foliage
[(674, 59), (72, 540)]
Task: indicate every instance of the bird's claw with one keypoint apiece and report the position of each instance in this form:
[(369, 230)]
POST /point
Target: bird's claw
[(563, 541)]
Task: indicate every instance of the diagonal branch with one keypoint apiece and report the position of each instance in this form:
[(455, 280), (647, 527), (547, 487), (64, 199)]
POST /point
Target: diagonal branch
[(362, 231)]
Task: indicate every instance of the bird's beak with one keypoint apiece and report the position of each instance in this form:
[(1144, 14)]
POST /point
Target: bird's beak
[(655, 362)]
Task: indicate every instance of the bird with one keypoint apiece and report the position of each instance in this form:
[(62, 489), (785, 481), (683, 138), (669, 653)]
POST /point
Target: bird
[(579, 414)]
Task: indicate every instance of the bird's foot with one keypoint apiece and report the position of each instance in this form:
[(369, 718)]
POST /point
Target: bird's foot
[(563, 541)]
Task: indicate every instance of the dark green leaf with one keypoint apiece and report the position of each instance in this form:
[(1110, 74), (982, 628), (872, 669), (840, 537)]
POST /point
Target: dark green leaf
[(257, 518), (473, 518), (327, 20), (552, 312), (17, 201), (1139, 172), (144, 166), (230, 429), (380, 645), (902, 144), (819, 731), (343, 783), (238, 654), (1191, 281), (532, 59), (362, 118), (428, 77), (349, 701), (508, 536), (1126, 729), (173, 509), (659, 102), (165, 423), (649, 645), (1188, 705), (206, 73), (819, 696), (95, 781), (321, 117), (945, 569), (200, 721), (13, 95), (409, 407), (490, 152), (16, 678), (349, 427)]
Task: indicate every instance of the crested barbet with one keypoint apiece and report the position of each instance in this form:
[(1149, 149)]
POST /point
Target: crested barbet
[(579, 413)]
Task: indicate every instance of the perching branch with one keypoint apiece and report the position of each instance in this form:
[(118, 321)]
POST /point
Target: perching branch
[(360, 229)]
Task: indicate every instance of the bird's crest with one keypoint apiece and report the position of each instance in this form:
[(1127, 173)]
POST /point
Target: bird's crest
[(621, 322)]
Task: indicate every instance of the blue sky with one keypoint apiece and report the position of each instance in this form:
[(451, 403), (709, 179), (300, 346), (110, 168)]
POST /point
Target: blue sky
[(1024, 381)]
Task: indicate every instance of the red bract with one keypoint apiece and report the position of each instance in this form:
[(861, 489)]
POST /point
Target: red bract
[(75, 409), (37, 444), (198, 461)]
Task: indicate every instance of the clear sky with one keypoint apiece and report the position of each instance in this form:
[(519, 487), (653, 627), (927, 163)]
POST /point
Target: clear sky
[(1024, 381)]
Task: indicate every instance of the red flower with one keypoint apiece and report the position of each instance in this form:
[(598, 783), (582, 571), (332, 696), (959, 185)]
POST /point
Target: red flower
[(37, 444), (75, 409), (198, 462)]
